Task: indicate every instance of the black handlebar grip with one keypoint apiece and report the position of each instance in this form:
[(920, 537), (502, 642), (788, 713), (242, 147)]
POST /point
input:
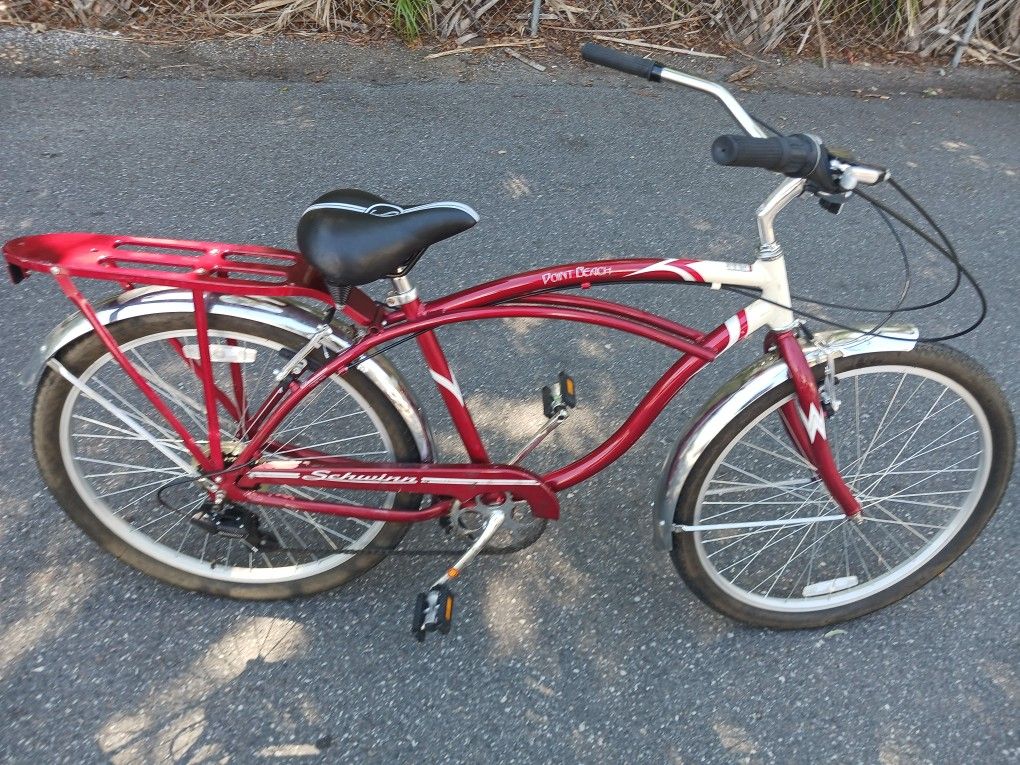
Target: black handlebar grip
[(793, 155), (623, 62)]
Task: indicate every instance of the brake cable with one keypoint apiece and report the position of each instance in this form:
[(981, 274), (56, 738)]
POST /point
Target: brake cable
[(945, 248)]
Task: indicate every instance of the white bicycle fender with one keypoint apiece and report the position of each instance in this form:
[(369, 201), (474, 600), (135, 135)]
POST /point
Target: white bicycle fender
[(276, 312), (743, 389)]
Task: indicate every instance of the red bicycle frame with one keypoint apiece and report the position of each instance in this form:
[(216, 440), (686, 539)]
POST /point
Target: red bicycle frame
[(205, 268)]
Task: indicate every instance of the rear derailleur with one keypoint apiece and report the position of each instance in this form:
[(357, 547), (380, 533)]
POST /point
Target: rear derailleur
[(235, 522)]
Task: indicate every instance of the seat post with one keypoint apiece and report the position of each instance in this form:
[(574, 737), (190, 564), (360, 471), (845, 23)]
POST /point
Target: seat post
[(403, 292)]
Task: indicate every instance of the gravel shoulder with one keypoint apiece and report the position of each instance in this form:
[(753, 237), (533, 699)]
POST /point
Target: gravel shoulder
[(297, 59)]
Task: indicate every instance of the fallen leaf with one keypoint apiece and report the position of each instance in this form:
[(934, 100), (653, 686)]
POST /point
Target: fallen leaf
[(742, 74), (833, 633)]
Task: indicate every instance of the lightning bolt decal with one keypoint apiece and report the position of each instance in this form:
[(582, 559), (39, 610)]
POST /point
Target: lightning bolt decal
[(814, 423), (450, 384)]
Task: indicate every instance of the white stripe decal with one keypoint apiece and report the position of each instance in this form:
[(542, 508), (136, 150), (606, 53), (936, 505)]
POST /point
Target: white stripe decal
[(391, 209), (664, 265), (480, 481), (450, 385), (426, 479), (336, 206), (455, 205), (733, 329)]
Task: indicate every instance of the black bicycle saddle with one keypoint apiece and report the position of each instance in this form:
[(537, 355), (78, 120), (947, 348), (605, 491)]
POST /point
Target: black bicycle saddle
[(353, 237)]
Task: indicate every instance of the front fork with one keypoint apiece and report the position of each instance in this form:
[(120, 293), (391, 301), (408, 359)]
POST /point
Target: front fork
[(804, 420)]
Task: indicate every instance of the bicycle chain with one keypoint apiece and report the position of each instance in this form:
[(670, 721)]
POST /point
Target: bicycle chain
[(407, 551), (367, 548), (382, 551)]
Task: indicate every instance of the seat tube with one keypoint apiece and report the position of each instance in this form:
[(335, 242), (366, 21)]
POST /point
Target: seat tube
[(446, 384)]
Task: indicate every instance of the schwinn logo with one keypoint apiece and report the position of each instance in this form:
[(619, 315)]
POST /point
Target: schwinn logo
[(581, 272), (325, 475)]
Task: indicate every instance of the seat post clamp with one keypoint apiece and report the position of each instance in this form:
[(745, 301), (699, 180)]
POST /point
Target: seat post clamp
[(403, 292)]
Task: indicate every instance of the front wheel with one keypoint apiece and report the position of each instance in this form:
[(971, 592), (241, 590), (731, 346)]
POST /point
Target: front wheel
[(925, 440)]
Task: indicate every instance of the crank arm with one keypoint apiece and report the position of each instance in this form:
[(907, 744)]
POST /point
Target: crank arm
[(496, 519)]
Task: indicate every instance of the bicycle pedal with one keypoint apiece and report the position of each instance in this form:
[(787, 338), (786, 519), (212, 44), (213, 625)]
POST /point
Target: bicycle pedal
[(559, 396), (433, 612)]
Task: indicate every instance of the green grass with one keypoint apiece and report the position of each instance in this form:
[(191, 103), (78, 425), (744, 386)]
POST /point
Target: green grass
[(410, 17)]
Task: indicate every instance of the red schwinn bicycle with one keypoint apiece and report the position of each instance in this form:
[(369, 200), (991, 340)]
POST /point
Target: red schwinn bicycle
[(228, 423)]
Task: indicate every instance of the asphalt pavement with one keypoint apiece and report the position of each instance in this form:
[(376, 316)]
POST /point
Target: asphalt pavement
[(586, 647)]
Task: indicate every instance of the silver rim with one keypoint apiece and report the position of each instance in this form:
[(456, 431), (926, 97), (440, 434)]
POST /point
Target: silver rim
[(117, 474), (913, 445)]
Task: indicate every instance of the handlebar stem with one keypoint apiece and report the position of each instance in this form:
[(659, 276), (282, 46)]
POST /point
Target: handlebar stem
[(718, 91), (787, 191)]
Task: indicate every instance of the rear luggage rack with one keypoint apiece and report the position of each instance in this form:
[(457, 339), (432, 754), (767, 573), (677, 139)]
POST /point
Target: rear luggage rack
[(235, 269)]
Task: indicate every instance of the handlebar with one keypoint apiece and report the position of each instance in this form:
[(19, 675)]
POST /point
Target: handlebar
[(797, 156), (656, 72), (611, 58)]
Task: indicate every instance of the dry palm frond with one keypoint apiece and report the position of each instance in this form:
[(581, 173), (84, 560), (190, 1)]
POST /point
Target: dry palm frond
[(927, 27)]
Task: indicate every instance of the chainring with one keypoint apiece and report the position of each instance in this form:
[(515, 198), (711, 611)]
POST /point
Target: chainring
[(520, 529)]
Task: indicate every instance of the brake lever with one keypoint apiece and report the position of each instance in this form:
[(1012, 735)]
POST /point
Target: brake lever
[(853, 173), (844, 176), (834, 196)]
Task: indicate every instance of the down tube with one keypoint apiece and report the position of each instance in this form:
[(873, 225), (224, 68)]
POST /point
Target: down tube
[(665, 388)]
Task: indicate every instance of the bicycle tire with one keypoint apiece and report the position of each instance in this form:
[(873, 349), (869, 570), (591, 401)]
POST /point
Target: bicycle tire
[(708, 579)]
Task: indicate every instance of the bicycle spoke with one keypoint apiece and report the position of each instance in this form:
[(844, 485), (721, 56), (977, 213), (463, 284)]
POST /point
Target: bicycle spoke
[(324, 531), (136, 468), (325, 443), (798, 458), (324, 422), (145, 420), (799, 462), (900, 522)]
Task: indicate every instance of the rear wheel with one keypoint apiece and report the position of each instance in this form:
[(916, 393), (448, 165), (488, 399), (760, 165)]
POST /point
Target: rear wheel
[(106, 477), (925, 439)]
